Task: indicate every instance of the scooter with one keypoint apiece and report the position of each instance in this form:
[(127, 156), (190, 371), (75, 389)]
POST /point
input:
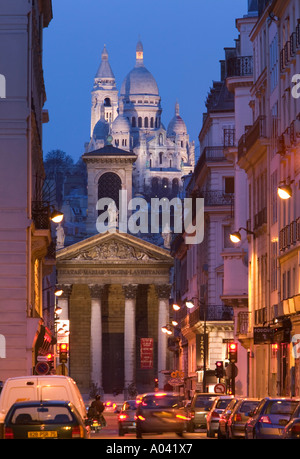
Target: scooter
[(95, 425)]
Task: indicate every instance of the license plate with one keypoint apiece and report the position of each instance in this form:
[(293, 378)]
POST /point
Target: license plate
[(43, 434)]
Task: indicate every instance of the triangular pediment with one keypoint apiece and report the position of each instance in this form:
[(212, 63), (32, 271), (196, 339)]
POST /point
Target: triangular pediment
[(114, 248)]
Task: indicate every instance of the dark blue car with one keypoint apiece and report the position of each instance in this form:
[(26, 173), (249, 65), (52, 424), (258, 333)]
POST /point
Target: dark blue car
[(270, 417)]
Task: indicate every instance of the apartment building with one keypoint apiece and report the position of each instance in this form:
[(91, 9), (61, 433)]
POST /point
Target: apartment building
[(268, 152)]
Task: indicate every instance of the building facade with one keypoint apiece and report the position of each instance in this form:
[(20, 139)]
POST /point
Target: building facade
[(133, 117), (24, 222), (117, 284), (268, 151)]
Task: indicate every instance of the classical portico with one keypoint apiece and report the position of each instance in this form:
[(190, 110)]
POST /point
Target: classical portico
[(117, 293)]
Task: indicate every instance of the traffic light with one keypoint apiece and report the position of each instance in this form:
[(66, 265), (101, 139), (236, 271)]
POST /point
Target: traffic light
[(155, 383), (50, 360), (219, 370), (232, 352), (63, 352)]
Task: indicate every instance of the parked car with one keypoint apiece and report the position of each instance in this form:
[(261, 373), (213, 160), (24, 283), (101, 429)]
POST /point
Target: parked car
[(127, 417), (239, 416), (213, 416), (49, 387), (160, 412), (222, 430), (47, 419), (270, 417), (292, 429), (197, 411)]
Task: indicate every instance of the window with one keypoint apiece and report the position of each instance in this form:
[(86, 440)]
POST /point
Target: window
[(140, 122), (274, 266), (133, 121), (161, 157), (109, 186), (146, 122), (229, 184), (274, 63), (107, 102)]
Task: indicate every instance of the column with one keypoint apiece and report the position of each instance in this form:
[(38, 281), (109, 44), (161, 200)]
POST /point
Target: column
[(96, 336), (129, 334), (163, 293)]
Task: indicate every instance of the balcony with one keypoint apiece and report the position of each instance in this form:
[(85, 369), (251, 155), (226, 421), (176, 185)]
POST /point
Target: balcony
[(289, 235), (229, 138), (216, 198), (240, 66), (41, 215), (255, 135), (213, 313), (260, 218), (255, 132)]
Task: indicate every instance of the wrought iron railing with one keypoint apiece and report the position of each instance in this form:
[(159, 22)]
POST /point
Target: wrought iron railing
[(211, 313), (240, 66), (41, 214)]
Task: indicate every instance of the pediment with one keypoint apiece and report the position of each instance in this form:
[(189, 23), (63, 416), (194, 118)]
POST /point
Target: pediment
[(120, 248)]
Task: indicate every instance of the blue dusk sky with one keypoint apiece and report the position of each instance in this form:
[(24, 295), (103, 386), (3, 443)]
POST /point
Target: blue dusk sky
[(183, 42)]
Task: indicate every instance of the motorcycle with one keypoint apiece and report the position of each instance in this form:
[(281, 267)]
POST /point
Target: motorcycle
[(95, 424)]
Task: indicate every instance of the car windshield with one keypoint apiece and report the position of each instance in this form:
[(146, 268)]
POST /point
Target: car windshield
[(248, 406), (129, 405), (44, 415), (205, 403), (161, 401), (286, 407), (222, 404)]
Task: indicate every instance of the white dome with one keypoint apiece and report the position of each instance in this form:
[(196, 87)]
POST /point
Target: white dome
[(101, 130), (139, 81), (177, 125), (120, 124)]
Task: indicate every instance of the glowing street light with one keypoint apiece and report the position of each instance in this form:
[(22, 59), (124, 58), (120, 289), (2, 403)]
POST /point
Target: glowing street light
[(284, 191)]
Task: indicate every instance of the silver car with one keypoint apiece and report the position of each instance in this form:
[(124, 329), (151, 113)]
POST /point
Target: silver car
[(197, 411), (160, 412)]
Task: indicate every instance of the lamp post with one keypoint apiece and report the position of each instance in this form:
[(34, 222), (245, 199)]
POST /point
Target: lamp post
[(236, 235)]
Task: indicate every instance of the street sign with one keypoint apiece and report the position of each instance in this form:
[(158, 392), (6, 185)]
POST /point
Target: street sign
[(42, 368), (220, 388)]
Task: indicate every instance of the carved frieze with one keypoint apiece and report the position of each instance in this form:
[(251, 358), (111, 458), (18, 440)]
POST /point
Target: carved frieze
[(113, 250)]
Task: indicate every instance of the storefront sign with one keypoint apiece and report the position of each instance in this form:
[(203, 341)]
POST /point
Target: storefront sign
[(263, 335), (146, 353)]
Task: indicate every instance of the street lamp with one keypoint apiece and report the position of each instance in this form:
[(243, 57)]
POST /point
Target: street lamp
[(236, 235), (284, 191), (56, 216), (190, 304)]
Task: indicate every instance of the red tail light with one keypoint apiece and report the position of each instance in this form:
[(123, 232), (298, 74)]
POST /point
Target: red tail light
[(265, 420), (296, 429), (123, 416), (77, 432), (237, 417), (214, 414), (8, 433)]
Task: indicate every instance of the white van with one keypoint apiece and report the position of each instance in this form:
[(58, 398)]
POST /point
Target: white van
[(51, 387)]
